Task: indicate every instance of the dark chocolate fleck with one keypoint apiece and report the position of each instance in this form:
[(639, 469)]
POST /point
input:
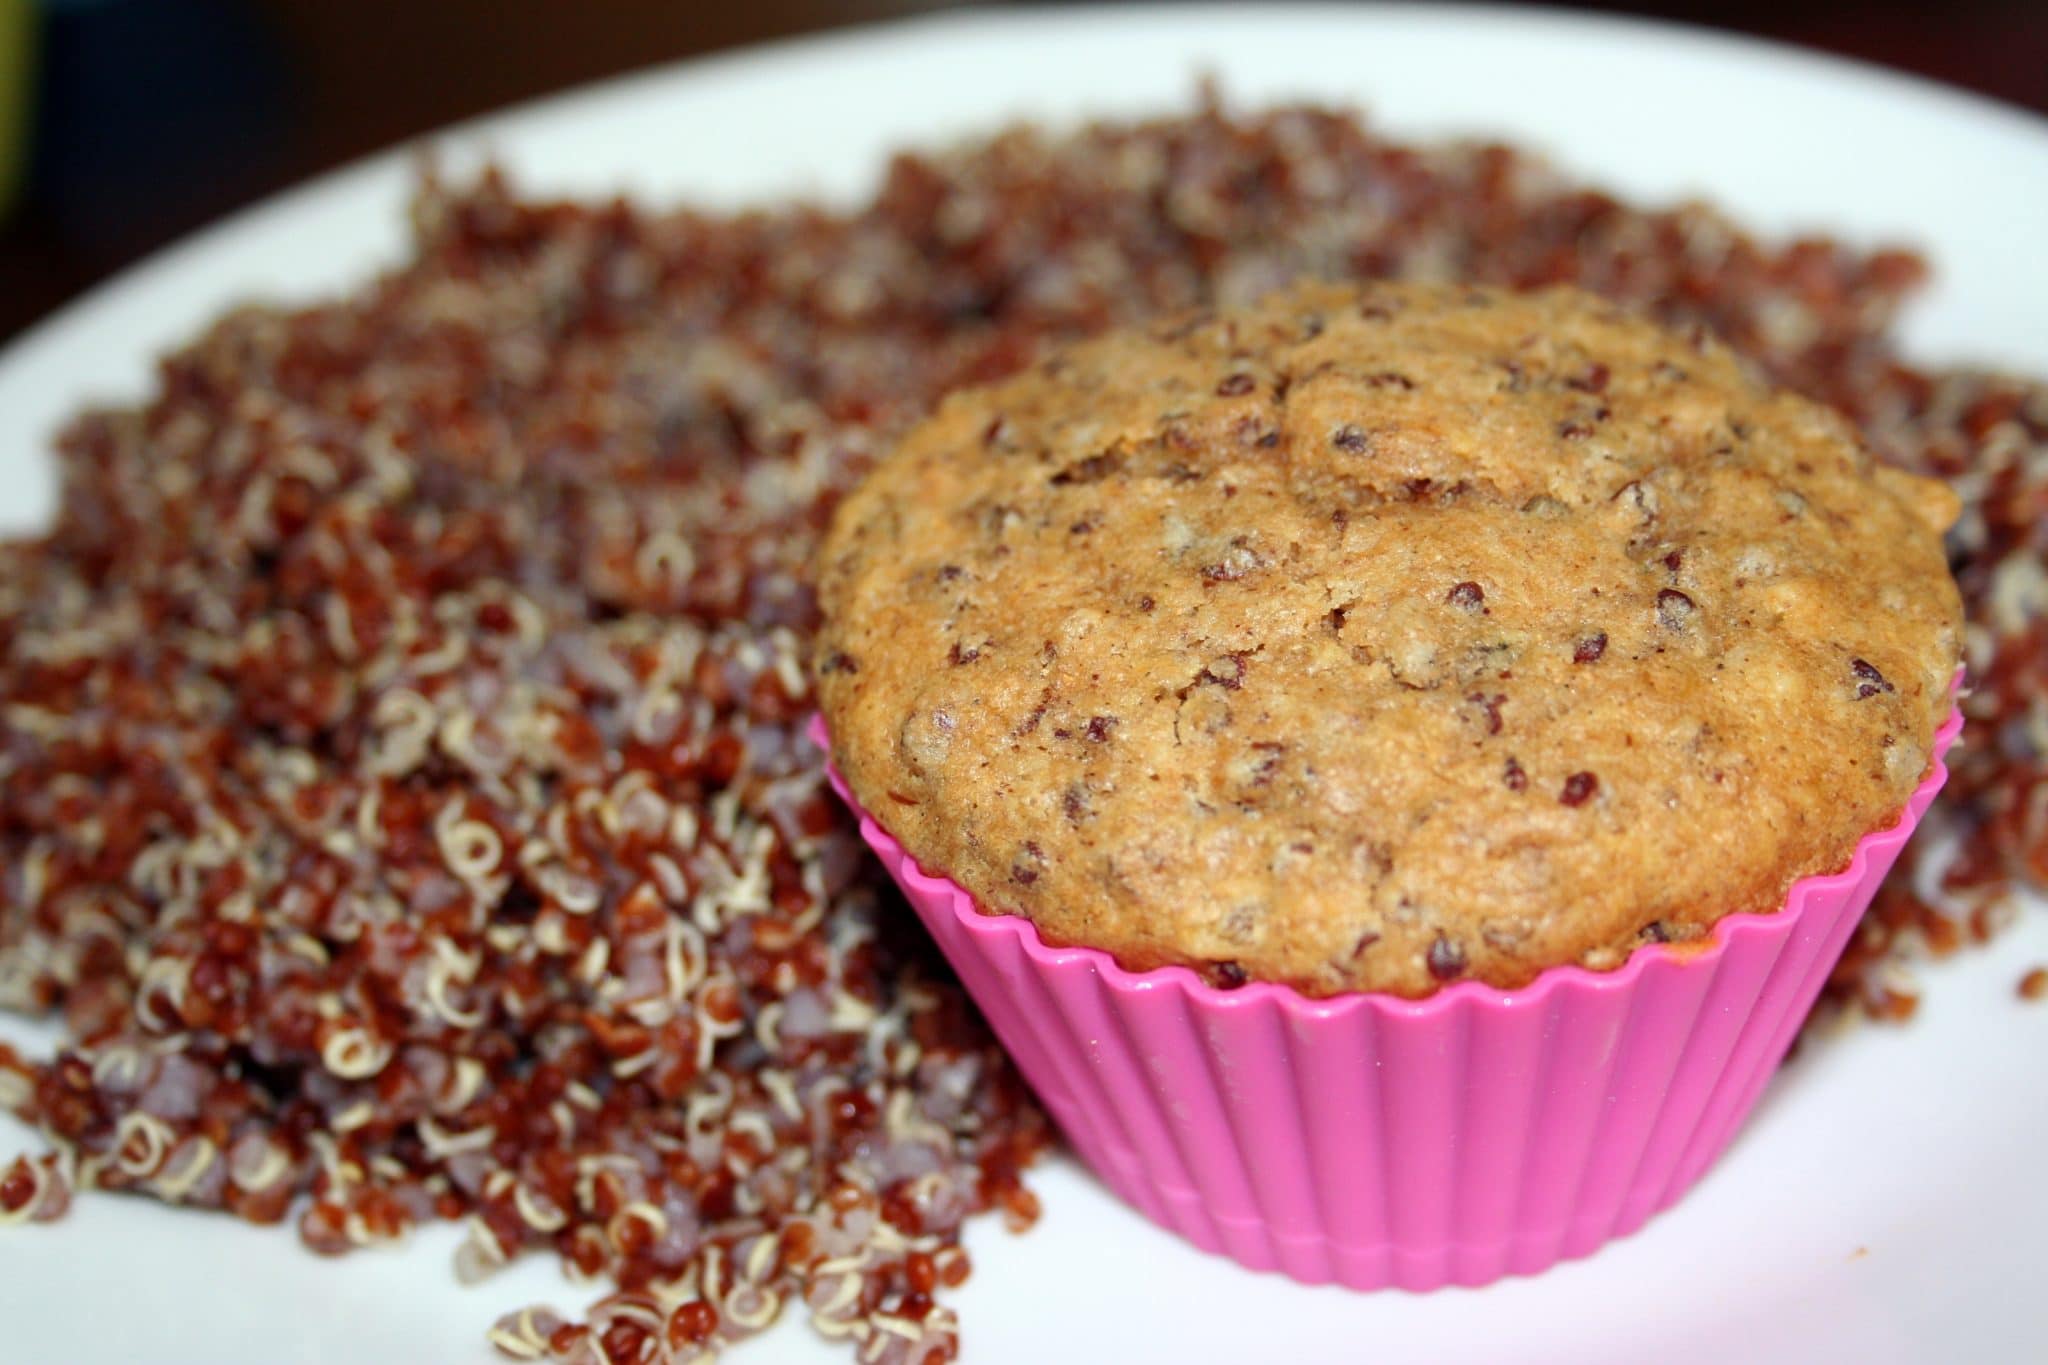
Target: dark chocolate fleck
[(1590, 649), (1674, 609), (1350, 438), (1514, 776), (1029, 862), (1446, 959), (1869, 682), (1579, 789), (1468, 595), (1094, 469), (1030, 723), (1228, 975), (1236, 564), (1268, 763), (1593, 379), (1099, 728), (1226, 672)]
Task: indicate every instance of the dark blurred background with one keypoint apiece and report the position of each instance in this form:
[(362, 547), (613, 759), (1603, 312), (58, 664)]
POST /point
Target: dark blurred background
[(124, 123)]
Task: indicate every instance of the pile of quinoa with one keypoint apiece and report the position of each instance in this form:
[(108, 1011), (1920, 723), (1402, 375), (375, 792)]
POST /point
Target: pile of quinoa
[(404, 802)]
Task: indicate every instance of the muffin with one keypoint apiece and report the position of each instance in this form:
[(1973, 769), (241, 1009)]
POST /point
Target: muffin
[(1377, 644)]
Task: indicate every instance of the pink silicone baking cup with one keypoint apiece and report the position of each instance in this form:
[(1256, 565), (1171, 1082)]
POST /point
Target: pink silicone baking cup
[(1371, 1140)]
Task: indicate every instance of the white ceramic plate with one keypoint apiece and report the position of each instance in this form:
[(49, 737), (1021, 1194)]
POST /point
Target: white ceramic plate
[(1887, 1203)]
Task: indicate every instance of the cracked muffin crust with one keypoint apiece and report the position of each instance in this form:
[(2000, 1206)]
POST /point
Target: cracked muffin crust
[(1373, 638)]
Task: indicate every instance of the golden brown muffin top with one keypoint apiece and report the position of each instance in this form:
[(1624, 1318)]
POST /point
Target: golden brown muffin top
[(1372, 638)]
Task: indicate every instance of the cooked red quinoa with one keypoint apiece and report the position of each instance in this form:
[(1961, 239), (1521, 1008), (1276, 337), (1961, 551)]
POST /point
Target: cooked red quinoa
[(402, 797)]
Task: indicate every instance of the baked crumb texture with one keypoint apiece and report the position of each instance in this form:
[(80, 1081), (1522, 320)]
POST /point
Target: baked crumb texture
[(1375, 639)]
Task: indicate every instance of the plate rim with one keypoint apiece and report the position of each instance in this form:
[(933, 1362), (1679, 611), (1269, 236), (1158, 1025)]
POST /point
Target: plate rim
[(366, 175)]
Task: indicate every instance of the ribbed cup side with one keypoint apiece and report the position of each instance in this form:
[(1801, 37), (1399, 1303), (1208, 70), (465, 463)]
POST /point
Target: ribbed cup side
[(1376, 1142)]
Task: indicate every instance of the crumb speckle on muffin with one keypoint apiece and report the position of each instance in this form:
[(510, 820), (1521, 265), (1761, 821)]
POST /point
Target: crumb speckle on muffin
[(1376, 639)]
